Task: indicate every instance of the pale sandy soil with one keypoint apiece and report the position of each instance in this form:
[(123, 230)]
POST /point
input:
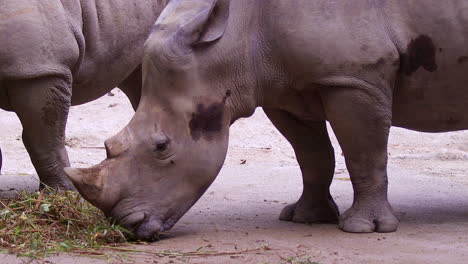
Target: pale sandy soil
[(428, 189)]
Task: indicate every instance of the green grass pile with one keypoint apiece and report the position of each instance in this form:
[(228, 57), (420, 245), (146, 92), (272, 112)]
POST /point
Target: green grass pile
[(37, 224)]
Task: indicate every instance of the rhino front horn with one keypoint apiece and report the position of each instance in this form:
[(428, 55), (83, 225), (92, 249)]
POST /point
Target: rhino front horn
[(75, 175), (89, 182)]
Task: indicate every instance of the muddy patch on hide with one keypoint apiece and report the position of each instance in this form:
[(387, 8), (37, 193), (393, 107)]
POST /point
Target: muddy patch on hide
[(462, 59), (373, 66), (421, 52), (208, 119)]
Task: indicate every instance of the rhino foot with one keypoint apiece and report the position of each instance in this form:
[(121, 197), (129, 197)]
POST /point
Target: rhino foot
[(302, 213), (368, 220)]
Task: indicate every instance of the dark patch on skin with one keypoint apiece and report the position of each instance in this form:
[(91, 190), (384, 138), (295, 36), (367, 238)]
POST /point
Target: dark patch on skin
[(208, 119), (228, 94), (49, 115), (440, 49), (364, 47), (172, 162), (421, 52), (373, 66), (462, 59)]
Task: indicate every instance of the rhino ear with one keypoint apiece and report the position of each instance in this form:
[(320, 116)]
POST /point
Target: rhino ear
[(208, 25)]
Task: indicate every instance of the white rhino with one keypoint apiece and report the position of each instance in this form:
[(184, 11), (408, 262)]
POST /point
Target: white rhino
[(362, 65), (58, 53)]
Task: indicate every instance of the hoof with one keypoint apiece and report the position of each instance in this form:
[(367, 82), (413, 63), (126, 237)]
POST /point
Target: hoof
[(300, 213), (368, 221)]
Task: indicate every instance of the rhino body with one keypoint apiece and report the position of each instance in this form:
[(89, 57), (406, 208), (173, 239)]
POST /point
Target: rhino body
[(55, 53), (362, 65)]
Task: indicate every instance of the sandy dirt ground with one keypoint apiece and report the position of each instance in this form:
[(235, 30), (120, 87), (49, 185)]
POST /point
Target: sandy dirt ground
[(239, 213)]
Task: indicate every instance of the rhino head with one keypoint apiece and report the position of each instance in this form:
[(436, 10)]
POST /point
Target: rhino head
[(161, 163)]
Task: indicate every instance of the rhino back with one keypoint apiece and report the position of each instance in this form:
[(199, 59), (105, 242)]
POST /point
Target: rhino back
[(35, 40), (417, 48), (94, 43)]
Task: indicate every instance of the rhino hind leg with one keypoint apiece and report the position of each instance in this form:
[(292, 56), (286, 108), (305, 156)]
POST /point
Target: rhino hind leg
[(316, 158), (361, 122), (42, 105)]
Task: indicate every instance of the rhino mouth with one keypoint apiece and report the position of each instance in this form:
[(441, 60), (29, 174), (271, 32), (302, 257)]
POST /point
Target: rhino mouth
[(148, 229), (145, 226), (141, 224), (148, 224)]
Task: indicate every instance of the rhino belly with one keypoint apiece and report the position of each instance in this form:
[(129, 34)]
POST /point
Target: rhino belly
[(95, 82), (432, 102), (431, 91)]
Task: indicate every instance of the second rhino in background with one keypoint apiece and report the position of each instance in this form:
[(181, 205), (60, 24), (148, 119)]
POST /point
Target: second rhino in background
[(54, 54), (362, 65)]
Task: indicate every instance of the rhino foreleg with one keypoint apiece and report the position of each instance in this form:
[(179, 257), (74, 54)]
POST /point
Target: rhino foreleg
[(316, 158), (361, 120), (42, 105)]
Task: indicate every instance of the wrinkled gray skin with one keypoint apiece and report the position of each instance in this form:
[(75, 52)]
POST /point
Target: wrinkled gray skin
[(362, 65), (54, 54)]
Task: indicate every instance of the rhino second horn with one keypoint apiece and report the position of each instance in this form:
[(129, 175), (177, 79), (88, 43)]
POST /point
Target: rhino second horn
[(117, 144)]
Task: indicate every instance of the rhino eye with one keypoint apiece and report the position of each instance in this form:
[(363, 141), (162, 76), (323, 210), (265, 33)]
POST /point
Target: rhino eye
[(162, 145)]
